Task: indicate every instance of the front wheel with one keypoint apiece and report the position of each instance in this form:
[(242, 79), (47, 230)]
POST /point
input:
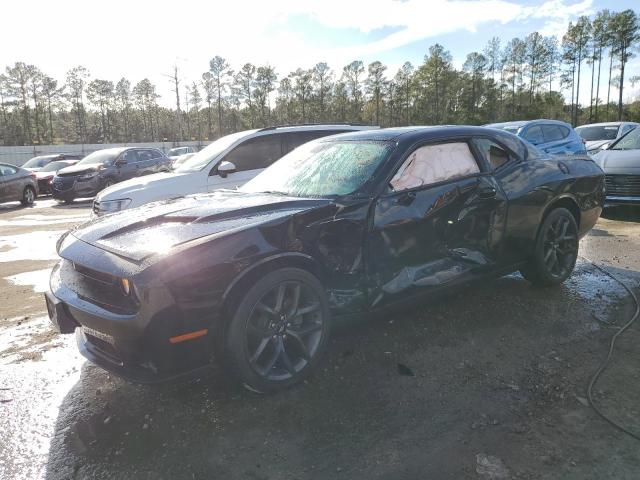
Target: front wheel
[(28, 196), (279, 331), (556, 250)]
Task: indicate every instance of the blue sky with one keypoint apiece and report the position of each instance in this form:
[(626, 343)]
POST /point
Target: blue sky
[(145, 38)]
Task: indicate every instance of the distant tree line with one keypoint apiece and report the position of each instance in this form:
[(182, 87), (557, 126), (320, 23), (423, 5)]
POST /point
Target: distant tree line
[(525, 78)]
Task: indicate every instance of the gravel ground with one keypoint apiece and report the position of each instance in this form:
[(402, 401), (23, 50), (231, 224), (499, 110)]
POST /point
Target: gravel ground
[(488, 382)]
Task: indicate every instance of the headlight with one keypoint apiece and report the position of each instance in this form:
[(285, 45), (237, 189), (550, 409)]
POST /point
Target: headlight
[(111, 206), (126, 286), (87, 176)]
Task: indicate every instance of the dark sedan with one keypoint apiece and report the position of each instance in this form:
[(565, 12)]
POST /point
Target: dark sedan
[(103, 168), (17, 185), (348, 224)]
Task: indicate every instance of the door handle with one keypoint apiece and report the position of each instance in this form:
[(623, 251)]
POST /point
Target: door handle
[(487, 192), (406, 198)]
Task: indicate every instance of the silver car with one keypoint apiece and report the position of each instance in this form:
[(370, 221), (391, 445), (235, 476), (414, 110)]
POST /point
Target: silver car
[(621, 164), (597, 135), (17, 185)]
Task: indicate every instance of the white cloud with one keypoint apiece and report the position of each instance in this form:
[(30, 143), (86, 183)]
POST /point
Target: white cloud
[(140, 39)]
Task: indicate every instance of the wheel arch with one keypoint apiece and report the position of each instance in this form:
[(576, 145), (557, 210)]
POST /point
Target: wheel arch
[(244, 279), (264, 266), (564, 201)]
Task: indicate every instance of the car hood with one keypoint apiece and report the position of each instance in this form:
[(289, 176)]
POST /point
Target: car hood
[(591, 144), (165, 184), (160, 228), (619, 161), (40, 174), (77, 169)]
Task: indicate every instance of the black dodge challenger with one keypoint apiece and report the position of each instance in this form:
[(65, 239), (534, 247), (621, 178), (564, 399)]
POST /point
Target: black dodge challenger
[(345, 225)]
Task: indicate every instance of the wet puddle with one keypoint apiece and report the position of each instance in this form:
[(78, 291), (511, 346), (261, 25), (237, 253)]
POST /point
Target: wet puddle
[(31, 393)]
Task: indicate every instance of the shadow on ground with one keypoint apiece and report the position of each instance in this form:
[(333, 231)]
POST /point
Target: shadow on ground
[(499, 369), (626, 213)]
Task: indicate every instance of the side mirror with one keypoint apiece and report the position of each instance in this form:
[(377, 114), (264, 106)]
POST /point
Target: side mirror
[(225, 168)]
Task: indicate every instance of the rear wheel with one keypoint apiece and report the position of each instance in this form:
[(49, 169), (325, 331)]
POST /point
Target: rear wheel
[(28, 196), (279, 331), (556, 250)]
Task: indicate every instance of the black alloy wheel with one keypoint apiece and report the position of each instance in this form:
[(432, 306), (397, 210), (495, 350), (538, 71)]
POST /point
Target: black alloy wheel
[(280, 330), (556, 250)]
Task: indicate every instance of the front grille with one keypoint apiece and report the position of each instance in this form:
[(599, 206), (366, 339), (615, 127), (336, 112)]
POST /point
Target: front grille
[(98, 288), (63, 183), (623, 185)]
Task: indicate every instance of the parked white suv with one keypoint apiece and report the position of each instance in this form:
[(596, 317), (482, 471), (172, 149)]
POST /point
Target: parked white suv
[(228, 162)]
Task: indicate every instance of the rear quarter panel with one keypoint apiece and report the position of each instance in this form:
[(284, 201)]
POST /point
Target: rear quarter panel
[(533, 187)]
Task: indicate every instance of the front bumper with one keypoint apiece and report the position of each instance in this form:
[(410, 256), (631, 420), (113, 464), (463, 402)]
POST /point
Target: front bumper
[(75, 188), (133, 346), (44, 187), (615, 200)]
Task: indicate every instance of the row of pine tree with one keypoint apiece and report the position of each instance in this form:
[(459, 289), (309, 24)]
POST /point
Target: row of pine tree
[(524, 78)]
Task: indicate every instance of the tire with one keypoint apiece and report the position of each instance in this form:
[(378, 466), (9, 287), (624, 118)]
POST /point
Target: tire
[(270, 343), (28, 196), (556, 250)]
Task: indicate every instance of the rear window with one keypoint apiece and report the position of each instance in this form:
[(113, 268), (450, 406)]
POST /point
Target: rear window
[(534, 135), (553, 133), (600, 132), (37, 162), (55, 166)]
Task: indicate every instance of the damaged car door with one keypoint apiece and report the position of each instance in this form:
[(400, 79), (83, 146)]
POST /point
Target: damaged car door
[(440, 221)]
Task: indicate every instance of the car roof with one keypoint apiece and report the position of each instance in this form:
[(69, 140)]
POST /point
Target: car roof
[(49, 155), (409, 133), (607, 124), (522, 123), (602, 124), (319, 126)]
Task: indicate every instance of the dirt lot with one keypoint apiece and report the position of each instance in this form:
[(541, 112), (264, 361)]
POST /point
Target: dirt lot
[(486, 383)]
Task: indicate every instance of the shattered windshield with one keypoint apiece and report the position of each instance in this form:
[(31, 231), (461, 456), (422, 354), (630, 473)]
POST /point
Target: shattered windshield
[(322, 169)]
